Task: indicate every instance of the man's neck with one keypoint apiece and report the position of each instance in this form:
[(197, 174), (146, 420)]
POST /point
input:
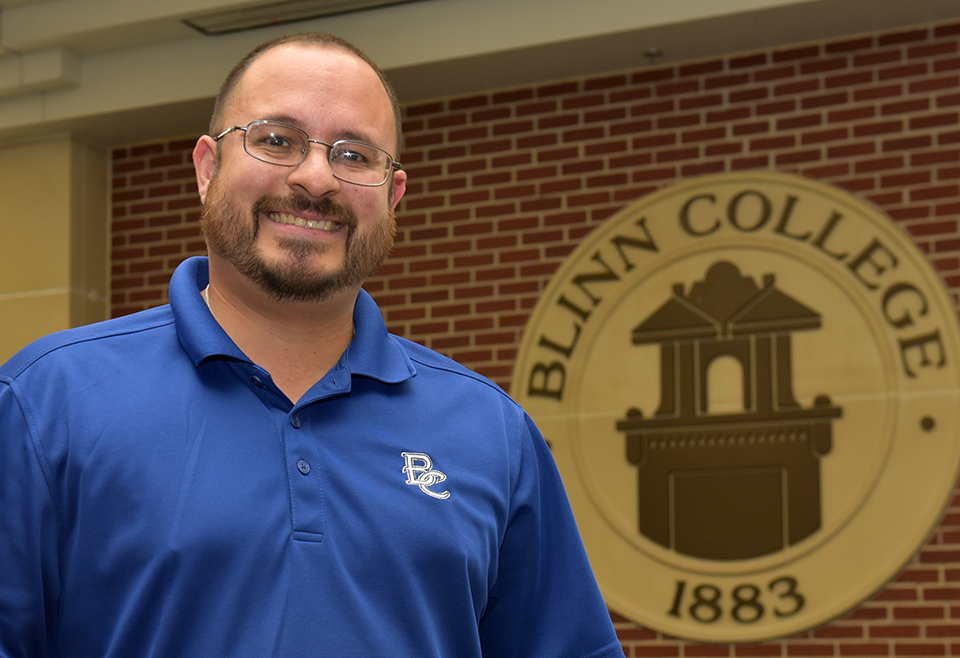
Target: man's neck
[(296, 342)]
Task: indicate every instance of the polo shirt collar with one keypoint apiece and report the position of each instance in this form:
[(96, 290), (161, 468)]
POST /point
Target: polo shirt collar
[(372, 353)]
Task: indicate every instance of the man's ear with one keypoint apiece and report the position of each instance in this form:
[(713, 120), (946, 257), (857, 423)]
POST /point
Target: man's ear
[(398, 183), (204, 162)]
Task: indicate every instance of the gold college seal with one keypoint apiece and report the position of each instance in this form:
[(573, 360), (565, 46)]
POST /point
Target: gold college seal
[(750, 384)]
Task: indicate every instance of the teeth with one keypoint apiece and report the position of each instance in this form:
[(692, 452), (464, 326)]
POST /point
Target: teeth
[(284, 218)]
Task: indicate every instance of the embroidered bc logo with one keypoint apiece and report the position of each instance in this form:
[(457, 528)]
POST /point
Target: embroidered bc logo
[(419, 470)]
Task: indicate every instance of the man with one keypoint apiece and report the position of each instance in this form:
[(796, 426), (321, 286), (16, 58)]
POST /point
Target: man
[(259, 469)]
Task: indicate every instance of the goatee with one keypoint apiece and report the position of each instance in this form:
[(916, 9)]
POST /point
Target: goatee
[(232, 235)]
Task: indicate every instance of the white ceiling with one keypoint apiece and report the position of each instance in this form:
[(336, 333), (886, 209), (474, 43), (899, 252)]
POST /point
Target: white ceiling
[(126, 71)]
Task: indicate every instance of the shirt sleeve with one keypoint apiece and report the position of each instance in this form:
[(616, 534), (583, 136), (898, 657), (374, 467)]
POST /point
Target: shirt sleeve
[(29, 582), (545, 602)]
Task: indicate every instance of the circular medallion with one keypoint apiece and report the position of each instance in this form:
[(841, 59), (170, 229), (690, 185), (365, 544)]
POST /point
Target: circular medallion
[(750, 385)]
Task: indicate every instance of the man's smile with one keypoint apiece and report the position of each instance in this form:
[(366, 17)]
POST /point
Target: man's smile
[(295, 220)]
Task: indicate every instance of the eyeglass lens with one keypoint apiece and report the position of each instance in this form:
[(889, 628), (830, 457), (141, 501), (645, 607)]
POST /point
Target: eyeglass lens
[(350, 161)]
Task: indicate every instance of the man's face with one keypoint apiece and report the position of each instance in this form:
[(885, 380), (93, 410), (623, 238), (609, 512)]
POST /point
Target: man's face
[(297, 232)]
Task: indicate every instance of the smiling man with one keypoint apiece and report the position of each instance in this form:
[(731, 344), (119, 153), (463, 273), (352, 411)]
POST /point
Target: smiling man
[(259, 468)]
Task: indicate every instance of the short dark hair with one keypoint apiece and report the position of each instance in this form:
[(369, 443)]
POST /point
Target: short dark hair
[(303, 38)]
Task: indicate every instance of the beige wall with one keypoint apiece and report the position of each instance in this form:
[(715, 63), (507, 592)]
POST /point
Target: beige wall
[(53, 239)]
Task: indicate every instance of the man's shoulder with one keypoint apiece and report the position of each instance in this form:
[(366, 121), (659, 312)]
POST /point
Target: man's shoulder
[(86, 341), (452, 372)]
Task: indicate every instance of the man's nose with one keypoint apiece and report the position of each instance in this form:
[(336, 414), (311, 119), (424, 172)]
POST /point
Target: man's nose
[(314, 175)]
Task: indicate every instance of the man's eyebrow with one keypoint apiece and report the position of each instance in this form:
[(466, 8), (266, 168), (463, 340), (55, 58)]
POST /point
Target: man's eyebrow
[(283, 118), (337, 136), (343, 134), (357, 137)]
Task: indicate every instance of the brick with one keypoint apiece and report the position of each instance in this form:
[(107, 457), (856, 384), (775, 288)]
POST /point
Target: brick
[(728, 115), (926, 158), (877, 57), (557, 89), (470, 102), (849, 45), (865, 649), (513, 96), (748, 61), (934, 84), (919, 650), (754, 162), (784, 159), (777, 107), (426, 108), (584, 134), (511, 160), (950, 29), (700, 102), (948, 100), (934, 121), (724, 81), (878, 128), (942, 630), (951, 64), (677, 88), (902, 107), (749, 95), (652, 75), (702, 168), (798, 53), (797, 87), (824, 100), (672, 155), (557, 121), (630, 127), (726, 148), (608, 82), (653, 107), (903, 71), (772, 143), (456, 151), (467, 134), (492, 114), (678, 121), (917, 613), (851, 114), (878, 92), (754, 128), (775, 73), (819, 136), (800, 121), (811, 649), (536, 107)]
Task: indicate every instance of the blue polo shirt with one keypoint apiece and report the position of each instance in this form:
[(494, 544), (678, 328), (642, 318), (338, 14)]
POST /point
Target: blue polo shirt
[(159, 496)]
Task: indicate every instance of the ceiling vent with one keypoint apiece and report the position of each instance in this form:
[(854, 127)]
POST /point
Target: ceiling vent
[(265, 14)]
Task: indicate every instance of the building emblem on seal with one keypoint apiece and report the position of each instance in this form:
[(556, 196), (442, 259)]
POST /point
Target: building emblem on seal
[(749, 382), (735, 485)]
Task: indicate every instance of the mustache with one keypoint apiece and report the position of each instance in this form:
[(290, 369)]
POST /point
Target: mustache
[(299, 203)]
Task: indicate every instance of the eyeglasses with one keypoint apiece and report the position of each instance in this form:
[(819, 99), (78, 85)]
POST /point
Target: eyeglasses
[(281, 144)]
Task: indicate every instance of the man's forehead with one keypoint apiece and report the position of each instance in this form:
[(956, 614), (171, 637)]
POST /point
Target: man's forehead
[(291, 78), (297, 57)]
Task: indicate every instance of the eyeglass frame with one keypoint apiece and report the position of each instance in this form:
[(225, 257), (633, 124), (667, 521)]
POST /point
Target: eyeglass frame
[(392, 165)]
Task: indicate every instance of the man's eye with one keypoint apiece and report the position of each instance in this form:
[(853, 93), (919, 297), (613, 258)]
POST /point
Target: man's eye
[(351, 157), (275, 141)]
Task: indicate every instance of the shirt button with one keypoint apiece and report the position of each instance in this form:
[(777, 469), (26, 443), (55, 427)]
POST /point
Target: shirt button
[(295, 421), (303, 467), (257, 381)]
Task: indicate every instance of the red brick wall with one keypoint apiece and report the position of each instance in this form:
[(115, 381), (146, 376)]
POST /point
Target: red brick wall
[(504, 184)]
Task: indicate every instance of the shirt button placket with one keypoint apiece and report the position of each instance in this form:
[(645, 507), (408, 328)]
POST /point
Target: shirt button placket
[(306, 486)]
